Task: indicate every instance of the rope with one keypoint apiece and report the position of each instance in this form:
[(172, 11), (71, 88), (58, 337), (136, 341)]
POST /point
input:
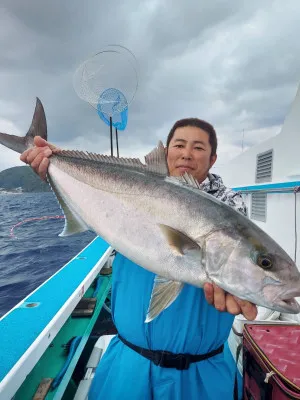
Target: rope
[(34, 219)]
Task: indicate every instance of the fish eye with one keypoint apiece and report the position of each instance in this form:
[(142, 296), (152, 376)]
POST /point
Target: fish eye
[(265, 261)]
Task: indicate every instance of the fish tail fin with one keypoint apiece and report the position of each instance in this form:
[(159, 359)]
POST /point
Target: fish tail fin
[(38, 127)]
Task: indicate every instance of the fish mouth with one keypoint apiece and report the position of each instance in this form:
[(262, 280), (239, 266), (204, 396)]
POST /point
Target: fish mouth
[(285, 301), (290, 306)]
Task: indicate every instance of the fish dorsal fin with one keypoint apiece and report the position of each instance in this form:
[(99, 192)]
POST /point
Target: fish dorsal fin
[(185, 179), (85, 155), (156, 160), (164, 293), (178, 241)]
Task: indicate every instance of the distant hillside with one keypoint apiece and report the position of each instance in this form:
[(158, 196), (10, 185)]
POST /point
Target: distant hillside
[(22, 177)]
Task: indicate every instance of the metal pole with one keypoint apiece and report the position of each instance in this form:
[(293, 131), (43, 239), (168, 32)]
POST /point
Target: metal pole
[(117, 142), (111, 137)]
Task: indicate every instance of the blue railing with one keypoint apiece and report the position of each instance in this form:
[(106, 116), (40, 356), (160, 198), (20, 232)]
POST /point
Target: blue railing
[(279, 187)]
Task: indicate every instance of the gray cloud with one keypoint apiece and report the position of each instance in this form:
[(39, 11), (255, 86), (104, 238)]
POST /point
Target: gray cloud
[(236, 64)]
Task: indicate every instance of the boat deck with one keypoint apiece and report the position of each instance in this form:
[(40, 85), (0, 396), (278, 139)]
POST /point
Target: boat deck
[(29, 328)]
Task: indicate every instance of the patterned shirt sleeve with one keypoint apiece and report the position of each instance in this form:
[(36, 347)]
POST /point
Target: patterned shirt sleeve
[(235, 200)]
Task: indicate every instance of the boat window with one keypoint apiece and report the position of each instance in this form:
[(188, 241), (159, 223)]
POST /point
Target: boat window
[(259, 206), (264, 162)]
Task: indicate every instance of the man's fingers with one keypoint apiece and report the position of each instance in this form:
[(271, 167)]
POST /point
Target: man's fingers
[(209, 292), (223, 301), (43, 168), (32, 153), (231, 305), (29, 155), (219, 298), (37, 151), (54, 148), (248, 309), (35, 165), (23, 156), (38, 156), (40, 142)]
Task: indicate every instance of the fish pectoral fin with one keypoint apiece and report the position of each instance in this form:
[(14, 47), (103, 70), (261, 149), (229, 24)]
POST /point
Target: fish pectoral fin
[(178, 241), (164, 293), (185, 179), (73, 223)]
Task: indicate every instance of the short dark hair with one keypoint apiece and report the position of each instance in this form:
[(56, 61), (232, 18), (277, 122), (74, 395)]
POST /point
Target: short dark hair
[(198, 123)]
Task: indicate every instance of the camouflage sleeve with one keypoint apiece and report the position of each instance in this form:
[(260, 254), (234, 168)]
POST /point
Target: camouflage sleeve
[(235, 200)]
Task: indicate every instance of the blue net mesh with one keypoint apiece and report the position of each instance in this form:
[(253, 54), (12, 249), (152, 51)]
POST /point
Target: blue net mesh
[(113, 103)]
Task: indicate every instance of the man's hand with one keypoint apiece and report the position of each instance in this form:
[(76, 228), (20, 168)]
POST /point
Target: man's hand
[(227, 302), (38, 157)]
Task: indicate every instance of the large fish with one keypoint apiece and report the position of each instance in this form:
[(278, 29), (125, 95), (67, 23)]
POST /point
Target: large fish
[(166, 225)]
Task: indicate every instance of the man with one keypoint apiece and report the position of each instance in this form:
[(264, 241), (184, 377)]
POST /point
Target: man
[(197, 323)]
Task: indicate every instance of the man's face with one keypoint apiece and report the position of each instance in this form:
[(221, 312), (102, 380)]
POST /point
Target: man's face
[(189, 151)]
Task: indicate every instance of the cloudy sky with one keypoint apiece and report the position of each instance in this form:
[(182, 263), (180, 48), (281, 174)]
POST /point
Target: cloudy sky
[(234, 63)]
